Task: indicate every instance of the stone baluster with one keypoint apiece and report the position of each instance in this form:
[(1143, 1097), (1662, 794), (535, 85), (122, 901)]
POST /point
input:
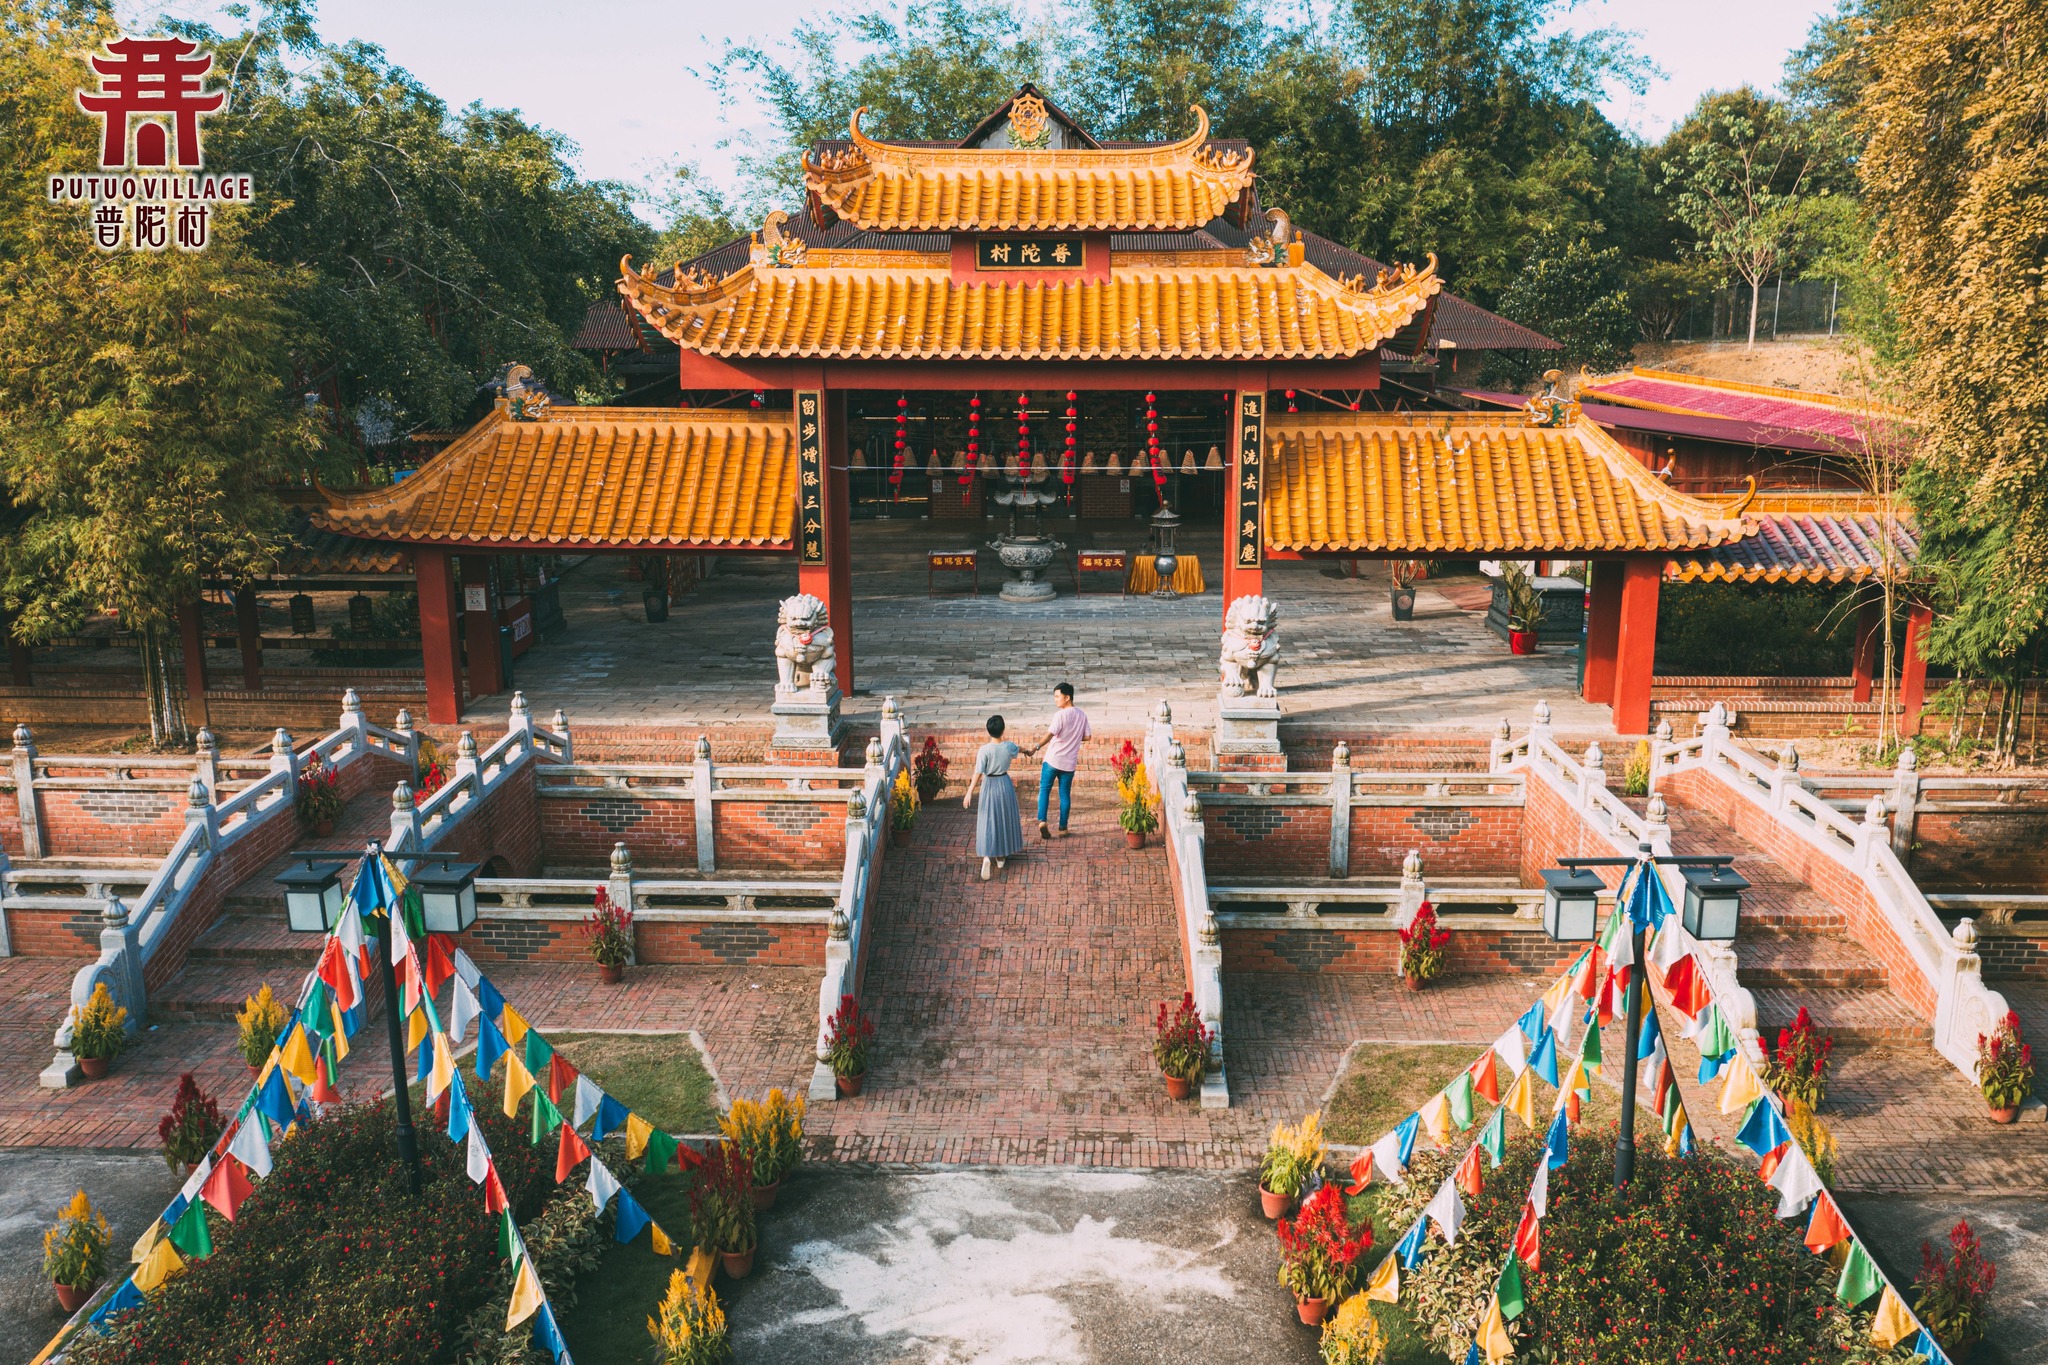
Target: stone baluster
[(1539, 728), (520, 723), (1592, 774), (1503, 742), (1657, 824), (1872, 834), (405, 821), (206, 752), (1660, 751), (703, 782), (1905, 804), (892, 725), (402, 726), (25, 792), (122, 953), (1785, 776), (199, 810), (619, 887), (560, 725), (354, 723), (467, 765), (1414, 890), (284, 760), (1340, 810)]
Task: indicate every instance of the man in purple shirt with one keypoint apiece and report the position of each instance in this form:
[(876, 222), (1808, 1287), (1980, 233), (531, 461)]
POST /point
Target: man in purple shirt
[(1062, 745)]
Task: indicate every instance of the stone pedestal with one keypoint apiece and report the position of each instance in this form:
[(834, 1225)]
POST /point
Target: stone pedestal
[(808, 728), (1248, 734)]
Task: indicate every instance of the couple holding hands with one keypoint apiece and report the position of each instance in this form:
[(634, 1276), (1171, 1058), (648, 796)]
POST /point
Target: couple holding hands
[(999, 832)]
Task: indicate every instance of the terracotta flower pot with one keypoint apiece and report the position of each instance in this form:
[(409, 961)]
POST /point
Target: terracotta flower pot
[(1177, 1087), (611, 973), (95, 1068), (1521, 642), (1134, 839), (849, 1086), (71, 1300), (1412, 981), (1274, 1206), (323, 828), (737, 1263), (1311, 1311), (764, 1196), (899, 837), (2007, 1115)]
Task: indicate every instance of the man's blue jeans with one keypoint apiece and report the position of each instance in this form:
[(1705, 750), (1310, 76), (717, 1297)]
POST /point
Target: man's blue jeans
[(1047, 775)]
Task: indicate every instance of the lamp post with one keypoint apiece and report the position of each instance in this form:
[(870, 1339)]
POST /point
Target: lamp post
[(313, 903), (1713, 905)]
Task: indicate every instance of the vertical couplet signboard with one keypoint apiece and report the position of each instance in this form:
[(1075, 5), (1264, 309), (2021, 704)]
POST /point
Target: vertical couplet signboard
[(1251, 429), (810, 474)]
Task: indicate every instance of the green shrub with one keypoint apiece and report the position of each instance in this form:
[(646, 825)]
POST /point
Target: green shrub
[(331, 1259), (1765, 629)]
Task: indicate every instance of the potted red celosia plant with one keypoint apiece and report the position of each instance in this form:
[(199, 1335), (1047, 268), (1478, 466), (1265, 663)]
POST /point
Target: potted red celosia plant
[(847, 1034), (722, 1208), (319, 798), (189, 1131), (1952, 1292), (1319, 1253), (2005, 1069), (929, 767), (609, 927), (1424, 945), (1180, 1044), (1798, 1067)]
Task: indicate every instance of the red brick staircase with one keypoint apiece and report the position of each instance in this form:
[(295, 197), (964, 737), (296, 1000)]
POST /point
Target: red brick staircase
[(1794, 949)]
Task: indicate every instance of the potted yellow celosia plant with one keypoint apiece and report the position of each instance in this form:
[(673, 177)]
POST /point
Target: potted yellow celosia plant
[(99, 1031), (903, 804), (75, 1252), (689, 1326), (771, 1132), (260, 1021), (1294, 1157)]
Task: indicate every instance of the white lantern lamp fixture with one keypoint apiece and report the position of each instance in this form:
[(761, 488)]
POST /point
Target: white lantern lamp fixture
[(313, 896), (1571, 903), (447, 895), (1713, 901)]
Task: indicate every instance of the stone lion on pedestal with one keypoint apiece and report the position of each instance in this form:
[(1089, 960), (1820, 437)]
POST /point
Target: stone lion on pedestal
[(803, 647), (1251, 647)]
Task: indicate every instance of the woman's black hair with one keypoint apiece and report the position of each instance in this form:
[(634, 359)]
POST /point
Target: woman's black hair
[(995, 727)]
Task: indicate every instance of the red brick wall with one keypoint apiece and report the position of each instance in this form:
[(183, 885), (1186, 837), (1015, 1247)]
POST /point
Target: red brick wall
[(1552, 830), (689, 942), (1968, 849), (1363, 951), (1835, 884), (1455, 841), (2013, 953), (505, 827), (54, 933), (1267, 841), (794, 836), (108, 822), (579, 825)]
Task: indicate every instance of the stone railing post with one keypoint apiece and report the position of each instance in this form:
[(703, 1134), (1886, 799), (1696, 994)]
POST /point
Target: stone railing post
[(1592, 774), (560, 725), (1497, 748), (520, 723), (1657, 824), (1414, 890), (199, 810), (871, 767), (354, 723), (1340, 810), (1539, 727), (1162, 721), (703, 782), (405, 821), (283, 760), (1714, 724), (1785, 776), (619, 887), (1660, 751), (893, 727), (25, 792), (466, 762), (206, 751), (1871, 835), (119, 935), (401, 725), (857, 825), (1905, 804)]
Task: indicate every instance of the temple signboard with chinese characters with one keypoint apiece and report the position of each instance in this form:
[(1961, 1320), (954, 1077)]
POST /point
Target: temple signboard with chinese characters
[(1064, 252), (810, 478), (151, 190)]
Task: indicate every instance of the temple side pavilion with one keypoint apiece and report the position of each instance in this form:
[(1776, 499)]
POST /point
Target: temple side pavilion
[(1041, 284)]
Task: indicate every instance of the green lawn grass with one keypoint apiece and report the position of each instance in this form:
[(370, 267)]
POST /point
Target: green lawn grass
[(1386, 1083), (658, 1076)]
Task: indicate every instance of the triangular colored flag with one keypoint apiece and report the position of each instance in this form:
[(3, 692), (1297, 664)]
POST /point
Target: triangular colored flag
[(1742, 1086), (462, 1007), (190, 1233), (513, 1025), (1892, 1324), (1361, 1172), (490, 1045), (1493, 1138), (1447, 1210), (1573, 1083), (163, 1263), (227, 1187), (1531, 1024), (1539, 1190), (658, 1241), (547, 1334), (610, 1114), (495, 1200), (561, 1078), (637, 1131), (546, 1118), (1529, 1237), (1826, 1227), (1470, 1175), (526, 1295), (322, 1090), (1386, 1155), (1592, 967), (1796, 1182), (661, 1151), (250, 1147), (1521, 1100), (602, 1184), (535, 1051), (296, 1055), (1762, 1130), (439, 967), (1771, 1159), (154, 1233), (1436, 1119), (478, 1156), (1859, 1278), (1385, 1284), (1411, 1246), (1716, 1038), (1485, 1080), (443, 1070), (1404, 1132), (508, 1238), (1543, 1061), (1591, 1054), (1927, 1346), (570, 1154), (1651, 1041), (1602, 1005), (1458, 1095), (125, 1299), (1507, 1291), (416, 1028), (1558, 1142), (338, 972), (487, 996), (273, 1098), (1472, 1356), (631, 1217), (1493, 1336), (517, 1082), (588, 1097), (1513, 1050), (458, 1113), (1686, 987)]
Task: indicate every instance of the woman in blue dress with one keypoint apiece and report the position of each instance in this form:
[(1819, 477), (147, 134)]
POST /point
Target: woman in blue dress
[(999, 832)]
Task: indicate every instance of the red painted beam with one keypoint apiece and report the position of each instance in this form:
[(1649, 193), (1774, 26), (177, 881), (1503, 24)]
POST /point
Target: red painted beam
[(716, 372)]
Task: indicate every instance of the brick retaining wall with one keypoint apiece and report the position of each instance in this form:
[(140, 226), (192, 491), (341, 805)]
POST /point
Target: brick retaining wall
[(711, 943), (1359, 951)]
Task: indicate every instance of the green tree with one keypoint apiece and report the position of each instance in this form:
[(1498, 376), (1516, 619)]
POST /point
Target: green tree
[(1736, 180), (144, 413), (1575, 294)]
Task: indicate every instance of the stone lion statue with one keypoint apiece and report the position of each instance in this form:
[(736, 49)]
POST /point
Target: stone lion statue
[(1251, 647), (803, 646)]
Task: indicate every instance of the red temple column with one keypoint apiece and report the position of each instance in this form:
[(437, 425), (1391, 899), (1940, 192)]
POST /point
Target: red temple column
[(1635, 648), (1603, 628), (192, 649), (824, 556), (440, 642), (1863, 656), (249, 636), (1244, 534), (1913, 668), (480, 627)]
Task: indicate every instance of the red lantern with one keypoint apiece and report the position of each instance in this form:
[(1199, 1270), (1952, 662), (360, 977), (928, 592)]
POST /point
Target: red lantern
[(1067, 463), (973, 440), (1290, 401), (902, 445), (757, 400)]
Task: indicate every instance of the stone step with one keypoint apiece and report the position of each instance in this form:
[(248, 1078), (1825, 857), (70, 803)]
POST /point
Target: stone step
[(258, 939), (1807, 962), (1862, 1016), (213, 992)]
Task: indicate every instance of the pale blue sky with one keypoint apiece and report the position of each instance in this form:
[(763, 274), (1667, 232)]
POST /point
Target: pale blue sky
[(612, 74)]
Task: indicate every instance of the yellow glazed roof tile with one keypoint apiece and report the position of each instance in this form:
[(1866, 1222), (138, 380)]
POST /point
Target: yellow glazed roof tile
[(592, 477), (1457, 483), (1167, 187), (1182, 305)]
